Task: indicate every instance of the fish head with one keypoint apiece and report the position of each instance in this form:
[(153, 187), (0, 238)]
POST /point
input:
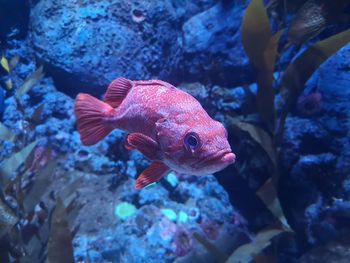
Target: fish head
[(196, 148)]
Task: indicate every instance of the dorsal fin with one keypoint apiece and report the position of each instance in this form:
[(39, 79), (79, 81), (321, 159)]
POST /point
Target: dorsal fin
[(117, 91), (154, 82)]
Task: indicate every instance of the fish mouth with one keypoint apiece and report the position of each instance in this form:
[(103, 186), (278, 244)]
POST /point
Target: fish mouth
[(229, 158), (225, 156)]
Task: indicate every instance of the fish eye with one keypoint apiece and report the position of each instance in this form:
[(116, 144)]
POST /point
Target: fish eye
[(192, 140)]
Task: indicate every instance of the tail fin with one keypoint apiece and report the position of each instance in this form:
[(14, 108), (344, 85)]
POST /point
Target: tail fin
[(92, 118)]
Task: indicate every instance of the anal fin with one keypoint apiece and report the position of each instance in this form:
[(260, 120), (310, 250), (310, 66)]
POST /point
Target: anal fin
[(151, 174)]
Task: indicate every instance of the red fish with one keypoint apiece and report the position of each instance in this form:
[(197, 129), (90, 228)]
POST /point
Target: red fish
[(167, 125)]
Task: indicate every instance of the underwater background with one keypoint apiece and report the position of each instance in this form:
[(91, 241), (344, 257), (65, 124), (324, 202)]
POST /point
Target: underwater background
[(275, 73)]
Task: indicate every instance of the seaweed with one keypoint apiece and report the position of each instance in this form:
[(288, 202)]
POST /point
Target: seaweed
[(43, 178), (301, 69), (60, 247), (11, 164), (248, 252), (6, 134), (256, 29), (34, 229), (8, 67), (8, 218), (30, 81), (38, 229), (261, 46), (219, 255), (259, 135), (5, 64), (269, 197)]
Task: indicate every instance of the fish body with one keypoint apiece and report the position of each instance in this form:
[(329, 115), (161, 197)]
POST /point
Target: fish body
[(166, 124)]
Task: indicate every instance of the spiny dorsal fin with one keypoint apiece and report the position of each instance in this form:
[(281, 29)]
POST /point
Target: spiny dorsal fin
[(154, 82), (117, 91)]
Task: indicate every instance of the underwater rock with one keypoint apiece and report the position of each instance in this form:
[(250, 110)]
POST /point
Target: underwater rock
[(316, 157), (220, 101), (2, 100), (18, 50), (212, 46), (188, 8), (155, 195), (157, 230), (54, 127), (303, 136), (334, 252), (197, 90), (88, 44), (316, 167)]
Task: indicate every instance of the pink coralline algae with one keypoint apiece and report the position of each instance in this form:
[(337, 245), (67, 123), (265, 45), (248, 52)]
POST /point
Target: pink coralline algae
[(309, 105), (138, 16), (183, 242), (167, 229), (211, 229)]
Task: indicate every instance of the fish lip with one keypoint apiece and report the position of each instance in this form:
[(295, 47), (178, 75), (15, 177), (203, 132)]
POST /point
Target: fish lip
[(224, 155), (229, 157)]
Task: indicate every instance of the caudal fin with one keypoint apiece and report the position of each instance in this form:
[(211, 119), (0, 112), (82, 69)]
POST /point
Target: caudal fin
[(92, 118)]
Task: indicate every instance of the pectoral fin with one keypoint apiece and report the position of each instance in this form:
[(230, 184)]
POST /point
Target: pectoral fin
[(151, 174), (146, 145)]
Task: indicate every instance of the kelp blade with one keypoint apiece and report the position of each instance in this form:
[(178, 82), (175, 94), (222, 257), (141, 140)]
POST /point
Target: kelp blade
[(10, 165), (256, 32), (5, 64), (263, 139), (298, 72), (247, 252), (30, 81), (43, 179), (261, 48), (6, 134), (219, 255), (265, 98), (7, 218), (306, 64), (60, 248), (267, 193)]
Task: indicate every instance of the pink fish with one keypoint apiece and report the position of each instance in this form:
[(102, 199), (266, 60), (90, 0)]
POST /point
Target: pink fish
[(167, 125)]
